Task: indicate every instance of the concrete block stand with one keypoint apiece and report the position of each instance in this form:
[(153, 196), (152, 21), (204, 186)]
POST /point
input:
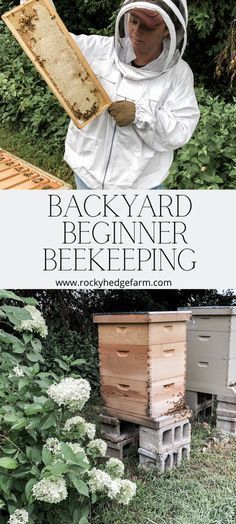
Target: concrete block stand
[(201, 404)]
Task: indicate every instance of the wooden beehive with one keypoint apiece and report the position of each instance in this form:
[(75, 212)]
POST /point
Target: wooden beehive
[(18, 174), (55, 54), (142, 363)]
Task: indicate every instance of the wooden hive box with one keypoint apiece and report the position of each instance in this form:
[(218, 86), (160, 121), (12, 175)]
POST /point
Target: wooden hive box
[(18, 174), (53, 51), (142, 363)]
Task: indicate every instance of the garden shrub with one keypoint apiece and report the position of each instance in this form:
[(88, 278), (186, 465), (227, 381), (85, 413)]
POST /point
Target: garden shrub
[(208, 161), (52, 468)]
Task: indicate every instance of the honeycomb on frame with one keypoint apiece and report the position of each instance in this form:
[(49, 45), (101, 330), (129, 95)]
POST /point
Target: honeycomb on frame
[(55, 54)]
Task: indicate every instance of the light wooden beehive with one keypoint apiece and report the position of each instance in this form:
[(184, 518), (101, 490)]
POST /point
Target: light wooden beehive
[(56, 56), (18, 174), (142, 363)]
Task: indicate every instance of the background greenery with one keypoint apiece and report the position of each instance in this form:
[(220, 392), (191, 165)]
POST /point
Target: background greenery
[(31, 114), (69, 317)]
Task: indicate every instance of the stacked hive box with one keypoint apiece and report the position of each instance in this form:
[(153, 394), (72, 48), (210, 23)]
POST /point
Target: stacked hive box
[(142, 368), (211, 359)]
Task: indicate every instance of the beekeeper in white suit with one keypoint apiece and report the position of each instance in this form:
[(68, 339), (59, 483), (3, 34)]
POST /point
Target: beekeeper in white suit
[(154, 109)]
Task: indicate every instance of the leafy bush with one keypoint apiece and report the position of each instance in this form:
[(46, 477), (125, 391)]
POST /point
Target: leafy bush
[(208, 161), (63, 345), (48, 448)]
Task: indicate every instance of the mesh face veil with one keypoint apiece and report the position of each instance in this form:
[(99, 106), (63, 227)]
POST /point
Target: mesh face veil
[(173, 12)]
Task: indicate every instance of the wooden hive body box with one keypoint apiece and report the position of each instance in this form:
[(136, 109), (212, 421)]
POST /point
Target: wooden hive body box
[(142, 363), (18, 174), (211, 355)]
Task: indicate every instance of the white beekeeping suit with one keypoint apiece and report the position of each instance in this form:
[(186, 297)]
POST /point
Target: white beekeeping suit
[(104, 155)]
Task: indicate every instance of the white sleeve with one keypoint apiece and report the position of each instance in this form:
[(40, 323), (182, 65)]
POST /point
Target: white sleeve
[(171, 125)]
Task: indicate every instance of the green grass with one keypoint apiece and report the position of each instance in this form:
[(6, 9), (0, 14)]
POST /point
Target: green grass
[(200, 492), (37, 152)]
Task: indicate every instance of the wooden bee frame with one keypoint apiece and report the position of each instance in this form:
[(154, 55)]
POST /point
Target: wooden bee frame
[(18, 174), (53, 51)]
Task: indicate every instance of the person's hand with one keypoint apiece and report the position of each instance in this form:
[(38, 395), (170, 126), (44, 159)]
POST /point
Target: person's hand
[(123, 112)]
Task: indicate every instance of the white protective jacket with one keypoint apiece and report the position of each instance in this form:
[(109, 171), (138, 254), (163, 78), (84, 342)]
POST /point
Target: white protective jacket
[(138, 156)]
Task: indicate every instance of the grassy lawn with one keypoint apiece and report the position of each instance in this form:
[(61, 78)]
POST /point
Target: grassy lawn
[(201, 492), (21, 144)]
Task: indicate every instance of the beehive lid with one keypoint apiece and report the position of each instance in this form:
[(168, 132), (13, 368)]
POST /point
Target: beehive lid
[(212, 310), (141, 317), (16, 173)]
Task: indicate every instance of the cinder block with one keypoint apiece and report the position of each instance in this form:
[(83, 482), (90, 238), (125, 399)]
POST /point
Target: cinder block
[(117, 430), (121, 448), (165, 439), (163, 461), (200, 403), (227, 424), (222, 398)]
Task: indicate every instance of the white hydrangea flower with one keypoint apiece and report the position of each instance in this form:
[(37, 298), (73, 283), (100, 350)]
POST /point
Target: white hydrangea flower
[(17, 371), (98, 445), (53, 445), (50, 490), (114, 487), (35, 325), (20, 516), (115, 467), (90, 430), (72, 392), (76, 448), (98, 480), (85, 428), (127, 491)]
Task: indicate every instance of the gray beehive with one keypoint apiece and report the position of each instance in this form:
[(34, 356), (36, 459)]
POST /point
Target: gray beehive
[(211, 350)]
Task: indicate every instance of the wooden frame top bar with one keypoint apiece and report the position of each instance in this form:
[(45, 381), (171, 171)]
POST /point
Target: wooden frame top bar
[(16, 173)]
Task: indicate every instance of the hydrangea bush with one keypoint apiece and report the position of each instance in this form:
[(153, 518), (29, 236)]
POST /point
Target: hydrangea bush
[(52, 466)]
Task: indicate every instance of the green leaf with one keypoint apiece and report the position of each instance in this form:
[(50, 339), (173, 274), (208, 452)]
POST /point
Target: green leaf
[(7, 338), (12, 418), (36, 344), (22, 423), (9, 294), (49, 422), (28, 489), (8, 463), (80, 485), (2, 503), (62, 364), (27, 337), (22, 382), (33, 409), (58, 469), (73, 458), (30, 301), (47, 457), (34, 357), (78, 362)]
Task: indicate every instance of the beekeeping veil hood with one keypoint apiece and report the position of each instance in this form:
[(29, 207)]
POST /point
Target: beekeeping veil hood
[(175, 16)]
